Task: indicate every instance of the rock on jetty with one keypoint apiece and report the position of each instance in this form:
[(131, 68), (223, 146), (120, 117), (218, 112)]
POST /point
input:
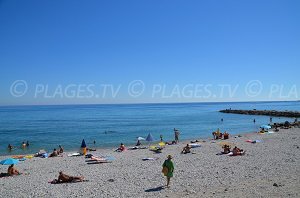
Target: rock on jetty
[(293, 114)]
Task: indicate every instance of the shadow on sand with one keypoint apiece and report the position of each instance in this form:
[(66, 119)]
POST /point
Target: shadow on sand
[(155, 189)]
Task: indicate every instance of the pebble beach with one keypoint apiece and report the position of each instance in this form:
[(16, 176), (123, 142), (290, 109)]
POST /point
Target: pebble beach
[(269, 168)]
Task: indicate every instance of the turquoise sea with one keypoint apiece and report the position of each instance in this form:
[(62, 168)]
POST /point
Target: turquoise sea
[(49, 126)]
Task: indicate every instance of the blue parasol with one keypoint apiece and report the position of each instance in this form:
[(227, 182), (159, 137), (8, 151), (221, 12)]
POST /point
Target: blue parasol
[(9, 161), (265, 126), (149, 138)]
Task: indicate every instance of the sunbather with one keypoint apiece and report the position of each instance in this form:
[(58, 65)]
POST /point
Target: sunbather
[(226, 135), (186, 149), (63, 178), (121, 148), (12, 170), (54, 153), (61, 149), (237, 151), (226, 149)]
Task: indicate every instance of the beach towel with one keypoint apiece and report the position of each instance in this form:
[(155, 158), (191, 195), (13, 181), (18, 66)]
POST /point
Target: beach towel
[(149, 158), (74, 155), (194, 145), (100, 160)]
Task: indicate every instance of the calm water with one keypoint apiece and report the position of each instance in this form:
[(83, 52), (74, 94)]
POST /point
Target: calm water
[(48, 126)]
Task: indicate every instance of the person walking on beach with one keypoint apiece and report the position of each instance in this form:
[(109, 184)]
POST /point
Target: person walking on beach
[(168, 169), (161, 138), (176, 133)]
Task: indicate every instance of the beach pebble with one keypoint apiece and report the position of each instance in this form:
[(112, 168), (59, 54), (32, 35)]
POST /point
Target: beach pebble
[(275, 184)]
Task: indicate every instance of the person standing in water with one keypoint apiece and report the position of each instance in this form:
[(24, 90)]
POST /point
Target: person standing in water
[(254, 121), (168, 169), (176, 133)]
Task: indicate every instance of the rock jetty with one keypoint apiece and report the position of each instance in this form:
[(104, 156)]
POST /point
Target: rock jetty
[(291, 114)]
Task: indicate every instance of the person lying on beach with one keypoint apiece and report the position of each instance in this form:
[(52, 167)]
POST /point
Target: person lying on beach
[(54, 153), (186, 149), (171, 143), (237, 151), (63, 178), (12, 170), (121, 148), (262, 131)]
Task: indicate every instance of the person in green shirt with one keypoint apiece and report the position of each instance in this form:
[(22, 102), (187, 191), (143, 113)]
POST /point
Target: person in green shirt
[(169, 168)]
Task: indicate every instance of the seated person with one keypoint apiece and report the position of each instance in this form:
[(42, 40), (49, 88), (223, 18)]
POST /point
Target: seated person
[(62, 178), (121, 148), (61, 149), (237, 151), (54, 153), (226, 149), (186, 149), (226, 135), (220, 136), (12, 170), (138, 143)]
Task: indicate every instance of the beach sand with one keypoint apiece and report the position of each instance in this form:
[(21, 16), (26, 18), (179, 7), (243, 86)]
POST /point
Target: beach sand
[(270, 168)]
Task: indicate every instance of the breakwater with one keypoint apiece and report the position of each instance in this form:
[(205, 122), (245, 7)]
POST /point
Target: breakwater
[(290, 114)]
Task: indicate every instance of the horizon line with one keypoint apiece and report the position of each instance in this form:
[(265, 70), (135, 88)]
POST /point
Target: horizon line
[(146, 103)]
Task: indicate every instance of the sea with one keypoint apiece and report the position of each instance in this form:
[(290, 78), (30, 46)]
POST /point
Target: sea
[(106, 126)]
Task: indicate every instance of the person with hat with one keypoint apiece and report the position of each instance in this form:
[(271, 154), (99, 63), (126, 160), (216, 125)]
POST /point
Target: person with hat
[(168, 168)]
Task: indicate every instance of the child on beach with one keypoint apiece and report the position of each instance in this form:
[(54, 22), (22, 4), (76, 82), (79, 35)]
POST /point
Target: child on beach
[(168, 168)]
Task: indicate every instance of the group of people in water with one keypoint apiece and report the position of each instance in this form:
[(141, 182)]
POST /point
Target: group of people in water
[(23, 146)]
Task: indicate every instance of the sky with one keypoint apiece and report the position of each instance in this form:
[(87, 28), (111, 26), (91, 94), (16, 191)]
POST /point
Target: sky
[(133, 51)]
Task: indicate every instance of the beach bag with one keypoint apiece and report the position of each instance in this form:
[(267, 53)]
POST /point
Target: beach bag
[(165, 170)]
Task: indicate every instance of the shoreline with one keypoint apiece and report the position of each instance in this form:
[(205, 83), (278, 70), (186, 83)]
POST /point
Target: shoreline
[(144, 143), (203, 174)]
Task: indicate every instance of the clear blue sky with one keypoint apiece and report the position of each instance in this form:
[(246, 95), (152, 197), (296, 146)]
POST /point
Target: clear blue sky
[(159, 42)]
